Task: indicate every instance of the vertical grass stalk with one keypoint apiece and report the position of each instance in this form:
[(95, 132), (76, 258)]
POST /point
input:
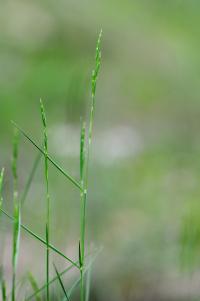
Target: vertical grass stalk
[(16, 214), (82, 209), (84, 164), (46, 172)]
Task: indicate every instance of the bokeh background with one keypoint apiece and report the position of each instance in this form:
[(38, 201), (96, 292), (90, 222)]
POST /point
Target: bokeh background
[(144, 196)]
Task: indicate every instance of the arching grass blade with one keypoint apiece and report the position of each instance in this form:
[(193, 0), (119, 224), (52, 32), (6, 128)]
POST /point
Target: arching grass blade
[(41, 240), (70, 178)]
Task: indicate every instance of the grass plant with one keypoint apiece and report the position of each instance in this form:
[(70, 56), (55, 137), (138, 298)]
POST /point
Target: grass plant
[(83, 265)]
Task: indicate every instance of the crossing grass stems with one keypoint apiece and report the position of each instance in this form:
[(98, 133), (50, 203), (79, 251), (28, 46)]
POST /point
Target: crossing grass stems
[(82, 185)]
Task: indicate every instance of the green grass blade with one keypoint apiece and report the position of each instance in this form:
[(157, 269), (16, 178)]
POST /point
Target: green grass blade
[(41, 240), (16, 239), (78, 281), (3, 285), (61, 283), (3, 290), (46, 173), (50, 282), (34, 286), (16, 214), (30, 178), (54, 279), (79, 255), (70, 178)]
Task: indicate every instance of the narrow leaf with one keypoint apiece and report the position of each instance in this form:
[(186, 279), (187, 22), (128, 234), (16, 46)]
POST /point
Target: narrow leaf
[(3, 290), (70, 178), (3, 285), (41, 240), (61, 283), (79, 253), (50, 282), (77, 282)]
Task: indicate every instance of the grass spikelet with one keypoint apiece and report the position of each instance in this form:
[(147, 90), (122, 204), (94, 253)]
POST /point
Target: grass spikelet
[(95, 74), (46, 172), (61, 283)]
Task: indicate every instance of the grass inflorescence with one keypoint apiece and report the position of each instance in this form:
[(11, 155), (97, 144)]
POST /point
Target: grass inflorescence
[(83, 265)]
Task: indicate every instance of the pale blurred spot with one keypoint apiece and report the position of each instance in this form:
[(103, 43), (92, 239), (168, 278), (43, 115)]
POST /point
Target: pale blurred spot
[(109, 146)]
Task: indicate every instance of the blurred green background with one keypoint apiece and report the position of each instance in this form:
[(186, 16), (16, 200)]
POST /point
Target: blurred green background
[(145, 164)]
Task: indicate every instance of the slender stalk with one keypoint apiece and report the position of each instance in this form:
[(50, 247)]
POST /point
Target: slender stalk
[(82, 209), (46, 172), (17, 218), (84, 164)]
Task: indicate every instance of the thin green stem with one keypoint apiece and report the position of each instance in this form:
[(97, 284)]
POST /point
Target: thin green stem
[(84, 164), (16, 210), (46, 174)]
